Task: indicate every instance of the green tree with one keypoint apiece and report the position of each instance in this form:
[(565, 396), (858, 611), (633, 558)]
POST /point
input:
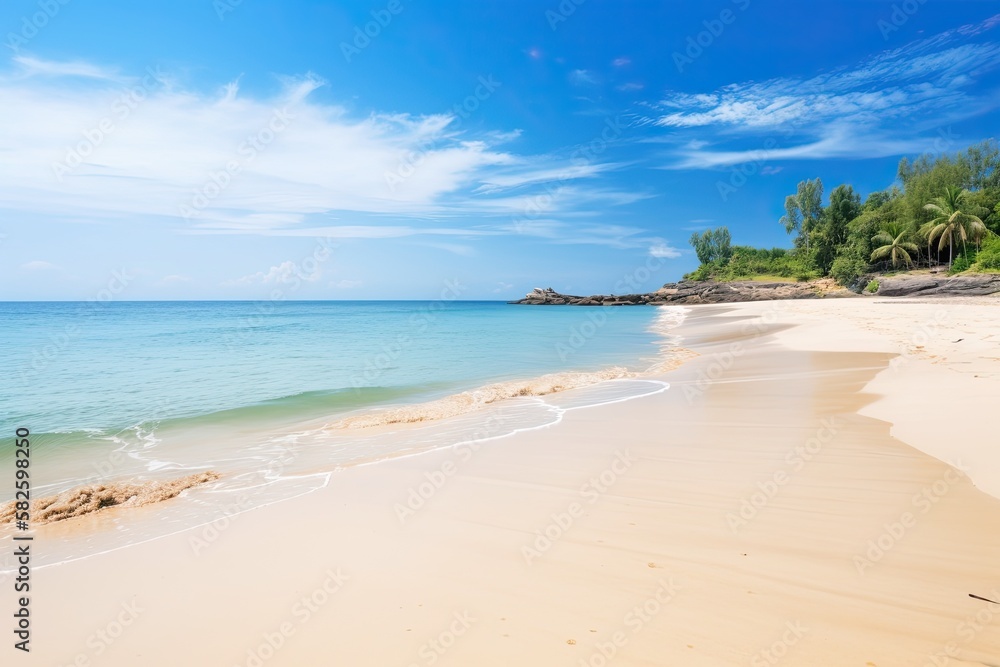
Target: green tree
[(950, 224), (803, 210), (896, 245), (832, 232), (712, 245)]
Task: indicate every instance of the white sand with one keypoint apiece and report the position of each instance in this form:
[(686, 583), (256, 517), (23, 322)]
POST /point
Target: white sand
[(758, 513)]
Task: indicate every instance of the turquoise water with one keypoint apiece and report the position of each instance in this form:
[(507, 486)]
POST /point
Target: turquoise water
[(85, 367), (258, 392)]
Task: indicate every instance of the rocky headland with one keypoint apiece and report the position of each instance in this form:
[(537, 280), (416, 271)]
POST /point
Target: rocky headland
[(693, 292)]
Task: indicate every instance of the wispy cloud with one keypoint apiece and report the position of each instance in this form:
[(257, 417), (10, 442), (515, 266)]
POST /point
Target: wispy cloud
[(40, 265), (284, 273), (630, 87), (173, 279), (158, 156), (664, 251), (35, 67), (847, 112), (502, 181), (582, 77)]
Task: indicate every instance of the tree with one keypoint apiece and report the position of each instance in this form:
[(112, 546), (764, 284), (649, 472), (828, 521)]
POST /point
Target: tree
[(803, 210), (950, 223), (832, 232), (896, 245), (712, 245)]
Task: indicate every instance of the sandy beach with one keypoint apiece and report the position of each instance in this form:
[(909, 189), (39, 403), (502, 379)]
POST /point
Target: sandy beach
[(819, 486)]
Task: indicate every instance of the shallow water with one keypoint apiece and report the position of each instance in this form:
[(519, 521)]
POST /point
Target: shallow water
[(277, 403)]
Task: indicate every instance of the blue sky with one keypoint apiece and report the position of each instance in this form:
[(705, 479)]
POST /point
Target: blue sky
[(255, 150)]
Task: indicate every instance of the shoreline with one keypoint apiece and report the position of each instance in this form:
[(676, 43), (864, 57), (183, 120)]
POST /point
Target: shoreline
[(546, 542), (505, 407)]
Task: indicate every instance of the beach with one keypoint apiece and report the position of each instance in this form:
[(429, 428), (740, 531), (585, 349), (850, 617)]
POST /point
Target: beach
[(817, 486)]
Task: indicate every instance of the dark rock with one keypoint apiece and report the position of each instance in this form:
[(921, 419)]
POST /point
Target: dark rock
[(977, 284), (682, 292), (693, 292)]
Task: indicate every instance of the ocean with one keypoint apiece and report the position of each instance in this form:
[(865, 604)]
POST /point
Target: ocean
[(276, 396)]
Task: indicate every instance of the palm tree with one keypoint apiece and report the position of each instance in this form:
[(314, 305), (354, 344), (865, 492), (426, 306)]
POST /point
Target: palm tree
[(896, 245), (950, 223), (924, 234)]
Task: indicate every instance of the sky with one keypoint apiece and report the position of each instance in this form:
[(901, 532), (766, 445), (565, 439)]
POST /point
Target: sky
[(409, 149)]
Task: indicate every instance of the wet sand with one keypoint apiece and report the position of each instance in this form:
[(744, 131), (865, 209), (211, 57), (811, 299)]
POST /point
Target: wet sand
[(759, 512)]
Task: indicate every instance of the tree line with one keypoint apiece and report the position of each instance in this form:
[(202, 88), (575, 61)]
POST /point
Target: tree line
[(943, 211)]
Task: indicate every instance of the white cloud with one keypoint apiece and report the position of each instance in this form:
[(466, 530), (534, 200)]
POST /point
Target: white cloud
[(502, 181), (837, 141), (621, 62), (347, 284), (582, 77), (629, 87), (502, 287), (173, 279), (90, 151), (460, 249), (664, 251), (287, 272), (877, 108), (40, 265), (35, 67), (891, 85)]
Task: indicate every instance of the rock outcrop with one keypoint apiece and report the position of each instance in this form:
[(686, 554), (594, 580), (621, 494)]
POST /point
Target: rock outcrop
[(976, 284), (689, 291)]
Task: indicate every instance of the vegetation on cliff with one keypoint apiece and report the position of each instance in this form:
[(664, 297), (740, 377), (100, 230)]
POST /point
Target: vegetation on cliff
[(943, 211)]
